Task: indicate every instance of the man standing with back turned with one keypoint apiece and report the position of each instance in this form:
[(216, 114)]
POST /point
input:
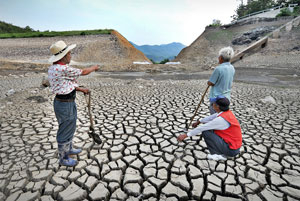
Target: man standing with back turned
[(222, 77)]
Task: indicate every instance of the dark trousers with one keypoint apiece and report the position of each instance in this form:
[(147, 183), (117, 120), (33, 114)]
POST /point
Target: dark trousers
[(216, 145)]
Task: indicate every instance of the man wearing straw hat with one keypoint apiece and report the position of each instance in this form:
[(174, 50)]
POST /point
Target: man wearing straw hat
[(63, 83)]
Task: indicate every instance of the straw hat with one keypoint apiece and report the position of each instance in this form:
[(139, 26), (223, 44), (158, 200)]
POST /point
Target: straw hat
[(59, 50)]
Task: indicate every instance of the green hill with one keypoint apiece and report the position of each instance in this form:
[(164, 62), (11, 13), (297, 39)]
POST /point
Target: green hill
[(9, 28), (11, 31)]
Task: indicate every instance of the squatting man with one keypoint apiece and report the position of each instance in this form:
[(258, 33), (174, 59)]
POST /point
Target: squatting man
[(221, 131)]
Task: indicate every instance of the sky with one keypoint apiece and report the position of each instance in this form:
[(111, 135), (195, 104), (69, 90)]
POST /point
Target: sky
[(152, 22)]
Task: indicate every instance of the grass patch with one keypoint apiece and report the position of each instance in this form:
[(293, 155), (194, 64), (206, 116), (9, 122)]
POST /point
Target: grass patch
[(220, 35), (287, 12), (55, 33), (296, 11)]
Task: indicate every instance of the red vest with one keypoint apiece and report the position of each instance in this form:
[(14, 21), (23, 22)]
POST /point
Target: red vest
[(232, 135)]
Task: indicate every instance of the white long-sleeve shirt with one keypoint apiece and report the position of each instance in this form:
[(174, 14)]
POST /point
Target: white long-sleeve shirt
[(212, 122)]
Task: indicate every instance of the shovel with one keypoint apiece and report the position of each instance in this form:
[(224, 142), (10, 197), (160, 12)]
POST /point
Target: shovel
[(92, 133), (202, 98)]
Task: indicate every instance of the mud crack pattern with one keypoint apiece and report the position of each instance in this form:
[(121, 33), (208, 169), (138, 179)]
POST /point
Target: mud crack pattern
[(140, 158)]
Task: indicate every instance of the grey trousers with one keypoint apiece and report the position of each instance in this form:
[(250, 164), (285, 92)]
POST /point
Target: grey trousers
[(216, 145)]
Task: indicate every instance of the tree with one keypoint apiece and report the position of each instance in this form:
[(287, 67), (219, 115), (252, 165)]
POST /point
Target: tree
[(286, 2), (28, 28), (216, 23), (241, 11), (284, 12), (153, 61), (253, 6), (164, 61)]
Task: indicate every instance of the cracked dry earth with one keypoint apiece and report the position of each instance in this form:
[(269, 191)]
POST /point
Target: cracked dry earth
[(140, 158)]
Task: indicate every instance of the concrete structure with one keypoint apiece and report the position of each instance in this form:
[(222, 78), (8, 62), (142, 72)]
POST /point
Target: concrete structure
[(263, 42), (268, 13)]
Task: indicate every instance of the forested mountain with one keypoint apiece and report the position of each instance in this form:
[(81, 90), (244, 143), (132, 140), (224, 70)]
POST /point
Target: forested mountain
[(158, 53)]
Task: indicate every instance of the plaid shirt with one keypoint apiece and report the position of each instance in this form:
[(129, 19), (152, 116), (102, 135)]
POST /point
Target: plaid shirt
[(62, 78)]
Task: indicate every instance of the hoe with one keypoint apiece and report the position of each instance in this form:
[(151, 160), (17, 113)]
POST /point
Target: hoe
[(92, 133), (202, 98)]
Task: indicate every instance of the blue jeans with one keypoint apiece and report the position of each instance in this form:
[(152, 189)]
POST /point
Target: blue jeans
[(216, 145), (66, 115)]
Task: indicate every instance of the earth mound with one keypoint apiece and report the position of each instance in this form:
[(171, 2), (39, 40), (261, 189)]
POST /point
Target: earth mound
[(203, 52), (110, 51)]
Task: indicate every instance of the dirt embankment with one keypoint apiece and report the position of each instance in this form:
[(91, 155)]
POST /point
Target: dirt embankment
[(281, 52), (132, 53), (111, 51), (114, 52)]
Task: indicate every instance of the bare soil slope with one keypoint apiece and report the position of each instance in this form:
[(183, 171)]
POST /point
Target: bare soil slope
[(203, 52), (111, 51), (115, 50), (280, 53)]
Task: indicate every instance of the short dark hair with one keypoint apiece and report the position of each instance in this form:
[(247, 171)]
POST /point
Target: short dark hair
[(223, 104)]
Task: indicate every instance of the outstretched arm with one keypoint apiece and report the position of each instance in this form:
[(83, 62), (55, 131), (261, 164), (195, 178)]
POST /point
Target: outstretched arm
[(87, 71), (216, 124), (205, 120)]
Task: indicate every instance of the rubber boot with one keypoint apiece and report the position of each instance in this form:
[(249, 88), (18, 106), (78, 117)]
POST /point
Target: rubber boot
[(64, 158), (73, 151)]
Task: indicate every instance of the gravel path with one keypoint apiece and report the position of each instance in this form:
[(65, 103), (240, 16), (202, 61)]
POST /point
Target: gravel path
[(140, 158)]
